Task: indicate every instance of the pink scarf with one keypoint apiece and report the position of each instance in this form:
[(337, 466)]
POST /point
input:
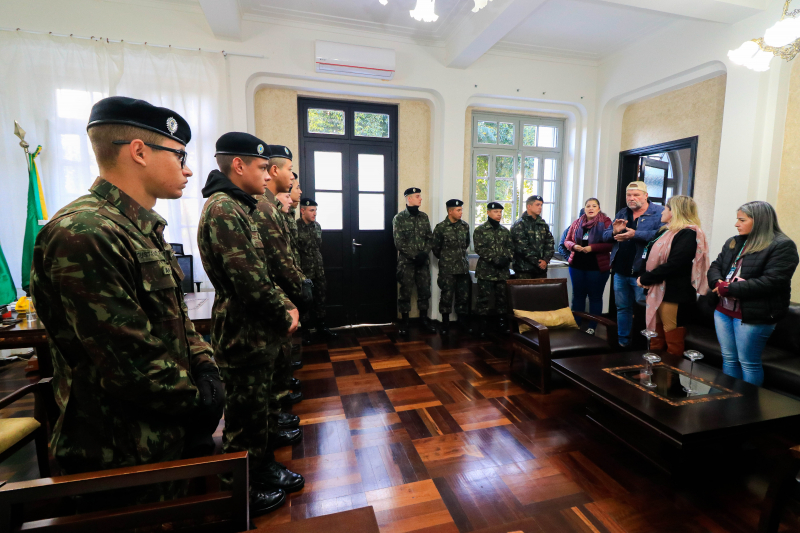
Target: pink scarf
[(659, 255)]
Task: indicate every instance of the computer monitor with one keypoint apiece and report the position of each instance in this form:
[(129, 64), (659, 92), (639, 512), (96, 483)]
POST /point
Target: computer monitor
[(186, 262)]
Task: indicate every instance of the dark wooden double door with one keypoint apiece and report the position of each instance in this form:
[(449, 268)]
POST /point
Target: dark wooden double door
[(354, 181)]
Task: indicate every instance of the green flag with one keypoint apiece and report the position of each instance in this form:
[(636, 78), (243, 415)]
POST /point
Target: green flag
[(8, 293), (37, 211)]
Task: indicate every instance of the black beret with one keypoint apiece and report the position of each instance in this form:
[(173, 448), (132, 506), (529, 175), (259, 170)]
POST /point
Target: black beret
[(141, 114), (240, 143), (412, 190), (295, 175), (308, 202), (276, 150), (534, 198), (493, 205), (454, 203)]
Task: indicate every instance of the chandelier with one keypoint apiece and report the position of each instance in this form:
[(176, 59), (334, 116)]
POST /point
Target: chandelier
[(782, 40), (424, 11)]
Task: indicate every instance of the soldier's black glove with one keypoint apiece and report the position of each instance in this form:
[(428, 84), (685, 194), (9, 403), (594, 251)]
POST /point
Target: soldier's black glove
[(212, 390), (501, 262), (306, 291), (420, 258)]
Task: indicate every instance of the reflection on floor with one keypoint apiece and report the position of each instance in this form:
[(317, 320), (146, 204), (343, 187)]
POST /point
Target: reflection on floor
[(435, 435)]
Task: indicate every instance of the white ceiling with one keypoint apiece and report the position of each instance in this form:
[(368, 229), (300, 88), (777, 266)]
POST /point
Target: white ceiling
[(583, 28), (576, 29)]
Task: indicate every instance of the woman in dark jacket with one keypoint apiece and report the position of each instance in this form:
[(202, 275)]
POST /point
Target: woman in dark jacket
[(752, 276), (676, 261)]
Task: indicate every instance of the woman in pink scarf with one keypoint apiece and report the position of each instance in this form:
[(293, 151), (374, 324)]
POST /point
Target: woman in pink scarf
[(676, 262)]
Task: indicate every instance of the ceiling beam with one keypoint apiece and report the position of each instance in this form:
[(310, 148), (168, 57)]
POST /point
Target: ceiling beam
[(224, 17), (725, 11), (478, 32)]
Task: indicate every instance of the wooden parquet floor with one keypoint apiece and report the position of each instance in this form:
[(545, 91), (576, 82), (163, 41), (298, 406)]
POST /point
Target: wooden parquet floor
[(438, 438)]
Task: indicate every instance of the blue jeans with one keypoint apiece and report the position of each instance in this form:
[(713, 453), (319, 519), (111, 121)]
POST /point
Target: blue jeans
[(626, 294), (589, 283), (742, 345)]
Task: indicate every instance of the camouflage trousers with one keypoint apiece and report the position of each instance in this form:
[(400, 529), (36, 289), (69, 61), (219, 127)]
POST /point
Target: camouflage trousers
[(408, 276), (247, 412), (316, 311), (487, 289), (451, 285), (530, 275), (281, 382)]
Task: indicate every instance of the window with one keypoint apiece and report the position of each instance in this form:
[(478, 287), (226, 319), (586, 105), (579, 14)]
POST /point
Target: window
[(326, 121), (513, 158), (371, 125)]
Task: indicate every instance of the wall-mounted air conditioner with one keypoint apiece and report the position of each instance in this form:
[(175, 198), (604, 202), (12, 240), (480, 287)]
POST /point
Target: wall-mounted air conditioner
[(352, 60)]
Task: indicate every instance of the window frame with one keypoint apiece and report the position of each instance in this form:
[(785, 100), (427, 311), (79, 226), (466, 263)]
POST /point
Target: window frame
[(350, 109), (519, 152)]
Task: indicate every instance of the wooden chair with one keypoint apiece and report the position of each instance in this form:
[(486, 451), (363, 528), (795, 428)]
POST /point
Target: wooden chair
[(16, 433), (229, 509), (540, 345)]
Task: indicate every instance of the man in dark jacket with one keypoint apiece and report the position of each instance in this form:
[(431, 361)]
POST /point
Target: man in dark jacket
[(633, 228)]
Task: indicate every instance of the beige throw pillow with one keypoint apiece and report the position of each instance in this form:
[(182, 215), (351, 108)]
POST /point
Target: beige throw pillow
[(558, 319)]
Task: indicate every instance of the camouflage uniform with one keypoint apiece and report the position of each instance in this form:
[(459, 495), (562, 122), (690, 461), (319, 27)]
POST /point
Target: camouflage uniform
[(412, 235), (450, 244), (108, 289), (532, 242), (309, 241), (274, 230), (293, 235), (492, 243), (249, 318)]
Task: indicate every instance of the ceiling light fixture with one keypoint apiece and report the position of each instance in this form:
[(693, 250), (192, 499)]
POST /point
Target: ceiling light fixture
[(424, 11), (384, 2), (479, 4), (782, 40)]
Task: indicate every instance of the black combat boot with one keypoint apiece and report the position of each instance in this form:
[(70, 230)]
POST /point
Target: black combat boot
[(288, 421), (294, 384), (445, 329), (427, 325), (275, 476), (402, 326), (322, 328), (263, 501), (292, 398), (285, 437)]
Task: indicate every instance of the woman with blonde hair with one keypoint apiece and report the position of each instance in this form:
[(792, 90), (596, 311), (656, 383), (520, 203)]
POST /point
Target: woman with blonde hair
[(677, 262)]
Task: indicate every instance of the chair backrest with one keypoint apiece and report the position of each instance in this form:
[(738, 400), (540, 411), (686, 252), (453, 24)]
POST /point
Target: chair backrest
[(186, 262), (230, 509), (537, 294), (177, 248)]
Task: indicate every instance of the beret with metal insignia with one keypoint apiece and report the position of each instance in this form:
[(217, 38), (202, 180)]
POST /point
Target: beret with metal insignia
[(454, 203), (308, 202), (240, 143), (534, 198), (276, 150), (140, 114), (493, 205), (412, 190)]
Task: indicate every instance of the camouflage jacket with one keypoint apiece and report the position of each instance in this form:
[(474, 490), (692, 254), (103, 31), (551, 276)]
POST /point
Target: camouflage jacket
[(412, 235), (292, 223), (249, 316), (309, 237), (274, 231), (492, 243), (108, 289), (532, 242), (450, 245)]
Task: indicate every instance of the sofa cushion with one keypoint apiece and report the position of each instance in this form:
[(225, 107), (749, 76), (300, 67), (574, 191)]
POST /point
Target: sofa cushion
[(565, 342), (555, 319), (783, 375), (13, 430), (704, 340)]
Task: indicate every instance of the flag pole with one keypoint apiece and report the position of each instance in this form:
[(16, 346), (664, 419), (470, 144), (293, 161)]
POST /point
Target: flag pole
[(19, 132)]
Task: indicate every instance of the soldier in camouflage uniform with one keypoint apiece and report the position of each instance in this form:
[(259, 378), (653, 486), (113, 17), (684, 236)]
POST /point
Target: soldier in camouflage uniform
[(534, 245), (295, 194), (251, 315), (450, 245), (309, 243), (134, 381), (274, 232), (495, 249), (413, 239)]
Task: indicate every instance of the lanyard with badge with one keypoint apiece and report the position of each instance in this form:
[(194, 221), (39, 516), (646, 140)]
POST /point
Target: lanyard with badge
[(728, 302), (734, 267), (651, 244)]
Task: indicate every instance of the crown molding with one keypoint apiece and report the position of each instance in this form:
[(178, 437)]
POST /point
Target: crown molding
[(187, 6)]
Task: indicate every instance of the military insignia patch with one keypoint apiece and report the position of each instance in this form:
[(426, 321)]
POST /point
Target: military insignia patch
[(286, 150), (260, 149), (172, 125)]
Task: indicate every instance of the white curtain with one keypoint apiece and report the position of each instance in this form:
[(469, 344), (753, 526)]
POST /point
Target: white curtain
[(49, 85)]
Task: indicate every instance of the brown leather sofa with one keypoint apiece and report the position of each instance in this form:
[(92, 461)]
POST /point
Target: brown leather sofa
[(781, 357)]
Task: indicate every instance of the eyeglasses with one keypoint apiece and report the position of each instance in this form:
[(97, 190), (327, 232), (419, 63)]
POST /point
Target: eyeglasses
[(181, 153)]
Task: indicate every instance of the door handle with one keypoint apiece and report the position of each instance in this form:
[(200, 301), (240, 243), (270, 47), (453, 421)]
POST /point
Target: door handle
[(354, 245)]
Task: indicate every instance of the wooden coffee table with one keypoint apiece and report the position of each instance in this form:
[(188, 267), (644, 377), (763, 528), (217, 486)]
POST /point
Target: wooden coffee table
[(662, 424)]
